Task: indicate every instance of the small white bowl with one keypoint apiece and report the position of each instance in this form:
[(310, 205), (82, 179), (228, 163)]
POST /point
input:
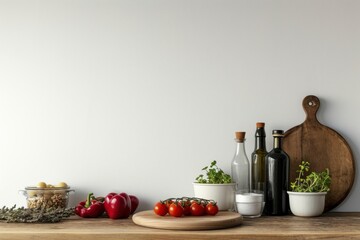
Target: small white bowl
[(307, 204), (254, 209), (250, 204), (223, 194)]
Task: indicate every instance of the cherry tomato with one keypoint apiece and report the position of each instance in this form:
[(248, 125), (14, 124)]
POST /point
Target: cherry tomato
[(176, 210), (197, 209), (160, 209), (187, 209), (212, 209), (168, 203)]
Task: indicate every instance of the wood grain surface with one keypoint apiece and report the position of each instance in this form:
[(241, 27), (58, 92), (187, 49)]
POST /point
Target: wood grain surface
[(223, 219), (327, 226), (324, 148)]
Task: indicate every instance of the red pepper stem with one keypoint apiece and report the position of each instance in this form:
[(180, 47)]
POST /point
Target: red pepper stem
[(88, 200)]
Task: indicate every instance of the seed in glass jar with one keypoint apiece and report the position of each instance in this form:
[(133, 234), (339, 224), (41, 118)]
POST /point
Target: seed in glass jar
[(31, 193), (41, 185), (47, 200), (48, 195), (62, 185)]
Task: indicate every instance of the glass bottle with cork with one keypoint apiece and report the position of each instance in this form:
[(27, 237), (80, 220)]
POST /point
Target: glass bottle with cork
[(240, 165), (258, 160), (277, 166)]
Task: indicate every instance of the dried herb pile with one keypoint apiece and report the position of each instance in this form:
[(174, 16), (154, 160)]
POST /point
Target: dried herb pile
[(34, 215)]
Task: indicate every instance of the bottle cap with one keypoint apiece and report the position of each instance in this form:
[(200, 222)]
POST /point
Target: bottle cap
[(240, 136), (260, 124), (278, 133)]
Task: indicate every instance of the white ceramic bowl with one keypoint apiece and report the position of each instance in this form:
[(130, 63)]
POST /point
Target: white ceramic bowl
[(223, 194), (254, 209), (306, 204), (250, 204)]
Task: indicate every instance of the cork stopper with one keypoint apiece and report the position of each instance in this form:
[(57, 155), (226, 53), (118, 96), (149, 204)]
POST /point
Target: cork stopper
[(260, 124), (240, 136)]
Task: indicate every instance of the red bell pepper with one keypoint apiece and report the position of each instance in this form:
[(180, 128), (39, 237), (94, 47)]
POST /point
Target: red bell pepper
[(117, 205), (134, 203), (91, 208)]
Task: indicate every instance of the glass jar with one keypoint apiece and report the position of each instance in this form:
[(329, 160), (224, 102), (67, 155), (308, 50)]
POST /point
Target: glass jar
[(53, 197)]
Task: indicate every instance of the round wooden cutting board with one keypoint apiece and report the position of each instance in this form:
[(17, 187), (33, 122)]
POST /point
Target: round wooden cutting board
[(324, 148), (221, 220)]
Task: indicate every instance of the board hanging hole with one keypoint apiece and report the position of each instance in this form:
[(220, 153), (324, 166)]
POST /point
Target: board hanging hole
[(312, 103)]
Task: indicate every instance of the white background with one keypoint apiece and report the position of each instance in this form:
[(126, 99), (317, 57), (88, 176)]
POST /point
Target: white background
[(137, 96)]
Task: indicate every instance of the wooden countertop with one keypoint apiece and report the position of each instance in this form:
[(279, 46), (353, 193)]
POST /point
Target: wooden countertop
[(329, 226)]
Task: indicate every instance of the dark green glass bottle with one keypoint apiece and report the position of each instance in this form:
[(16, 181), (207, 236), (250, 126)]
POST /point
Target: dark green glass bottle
[(277, 166), (258, 159)]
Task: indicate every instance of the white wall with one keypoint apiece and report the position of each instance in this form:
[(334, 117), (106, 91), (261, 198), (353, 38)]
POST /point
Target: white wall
[(138, 96)]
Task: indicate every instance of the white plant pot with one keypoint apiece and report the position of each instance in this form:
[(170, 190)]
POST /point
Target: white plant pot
[(223, 194), (306, 204)]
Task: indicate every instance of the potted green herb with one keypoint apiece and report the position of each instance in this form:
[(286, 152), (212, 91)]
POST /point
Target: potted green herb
[(307, 198), (216, 185)]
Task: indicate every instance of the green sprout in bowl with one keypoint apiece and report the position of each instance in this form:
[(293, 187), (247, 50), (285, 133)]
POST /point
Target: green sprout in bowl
[(313, 182), (214, 175)]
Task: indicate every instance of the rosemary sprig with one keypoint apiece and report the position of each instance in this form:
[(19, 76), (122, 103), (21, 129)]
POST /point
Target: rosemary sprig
[(34, 215)]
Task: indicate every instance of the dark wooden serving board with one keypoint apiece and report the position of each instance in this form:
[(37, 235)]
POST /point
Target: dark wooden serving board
[(324, 148)]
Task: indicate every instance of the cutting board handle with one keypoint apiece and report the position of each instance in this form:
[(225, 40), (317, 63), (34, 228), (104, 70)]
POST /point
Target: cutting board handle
[(311, 105)]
